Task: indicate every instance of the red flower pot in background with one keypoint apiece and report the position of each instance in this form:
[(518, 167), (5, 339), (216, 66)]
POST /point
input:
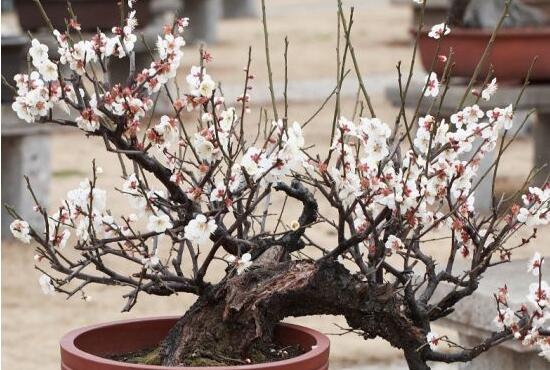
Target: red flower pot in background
[(82, 349), (511, 54)]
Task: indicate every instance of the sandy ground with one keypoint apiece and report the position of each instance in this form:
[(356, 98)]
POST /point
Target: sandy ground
[(33, 323)]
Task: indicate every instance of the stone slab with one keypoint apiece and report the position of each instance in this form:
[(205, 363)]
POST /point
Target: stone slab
[(24, 156), (241, 8), (204, 16)]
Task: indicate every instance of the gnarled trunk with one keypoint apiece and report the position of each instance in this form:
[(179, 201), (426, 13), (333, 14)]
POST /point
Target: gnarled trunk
[(232, 318)]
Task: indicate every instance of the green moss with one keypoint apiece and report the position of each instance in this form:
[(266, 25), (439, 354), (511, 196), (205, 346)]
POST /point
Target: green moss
[(202, 361), (257, 355), (149, 358)]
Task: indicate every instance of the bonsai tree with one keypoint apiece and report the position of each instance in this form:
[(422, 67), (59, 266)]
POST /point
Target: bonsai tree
[(200, 193)]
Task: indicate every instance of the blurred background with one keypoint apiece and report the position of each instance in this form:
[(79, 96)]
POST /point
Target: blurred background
[(57, 159)]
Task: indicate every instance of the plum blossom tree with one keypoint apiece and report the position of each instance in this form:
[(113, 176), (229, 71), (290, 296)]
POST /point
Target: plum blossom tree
[(200, 193)]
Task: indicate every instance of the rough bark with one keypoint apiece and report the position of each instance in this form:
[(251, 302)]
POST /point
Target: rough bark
[(232, 318)]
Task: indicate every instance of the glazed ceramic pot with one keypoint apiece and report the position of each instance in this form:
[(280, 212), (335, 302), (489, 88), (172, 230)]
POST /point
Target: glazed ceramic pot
[(511, 54), (91, 14), (82, 349)]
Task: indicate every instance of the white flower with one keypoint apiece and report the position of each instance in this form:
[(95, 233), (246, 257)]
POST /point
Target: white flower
[(294, 225), (199, 229), (293, 139), (544, 349), (472, 114), (439, 30), (207, 117), (48, 70), (207, 86), (46, 284), (21, 230), (193, 78), (535, 264), (131, 185), (242, 263), (458, 119), (165, 133), (150, 263), (504, 117), (432, 85), (250, 160), (433, 340), (394, 243), (38, 52), (489, 90), (79, 198), (87, 121), (227, 118), (159, 224), (60, 240), (204, 148), (505, 318), (539, 295), (218, 193)]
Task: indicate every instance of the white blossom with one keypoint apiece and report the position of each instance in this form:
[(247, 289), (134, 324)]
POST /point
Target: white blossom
[(218, 193), (207, 86), (539, 294), (48, 70), (46, 284), (38, 52), (150, 263), (490, 90), (199, 229), (433, 340), (242, 264), (21, 230), (432, 85), (159, 224), (439, 30), (535, 264), (394, 243)]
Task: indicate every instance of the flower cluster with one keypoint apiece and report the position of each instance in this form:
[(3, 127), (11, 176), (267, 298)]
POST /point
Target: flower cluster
[(527, 322)]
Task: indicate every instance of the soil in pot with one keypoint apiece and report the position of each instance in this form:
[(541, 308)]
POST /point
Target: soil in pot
[(258, 355)]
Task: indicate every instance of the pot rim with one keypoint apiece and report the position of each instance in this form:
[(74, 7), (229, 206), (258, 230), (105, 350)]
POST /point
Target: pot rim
[(487, 32), (67, 344)]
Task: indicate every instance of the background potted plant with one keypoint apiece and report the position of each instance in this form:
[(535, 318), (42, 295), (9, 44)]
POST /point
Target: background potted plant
[(524, 35), (209, 196), (13, 51), (91, 13)]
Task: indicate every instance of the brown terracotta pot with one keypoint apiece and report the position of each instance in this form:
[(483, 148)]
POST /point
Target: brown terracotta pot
[(91, 14), (511, 55), (82, 349)]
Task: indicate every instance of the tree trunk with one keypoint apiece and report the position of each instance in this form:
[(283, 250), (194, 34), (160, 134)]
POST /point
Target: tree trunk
[(239, 314), (415, 360)]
